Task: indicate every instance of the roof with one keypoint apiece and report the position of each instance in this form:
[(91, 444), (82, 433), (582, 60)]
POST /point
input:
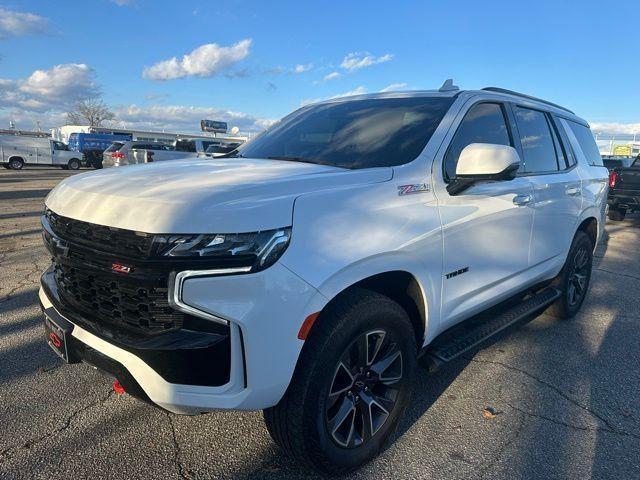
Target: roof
[(504, 94)]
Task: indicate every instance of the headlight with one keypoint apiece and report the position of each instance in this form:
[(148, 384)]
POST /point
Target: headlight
[(258, 250)]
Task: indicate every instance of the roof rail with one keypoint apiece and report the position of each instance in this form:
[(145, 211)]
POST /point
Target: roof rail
[(529, 97)]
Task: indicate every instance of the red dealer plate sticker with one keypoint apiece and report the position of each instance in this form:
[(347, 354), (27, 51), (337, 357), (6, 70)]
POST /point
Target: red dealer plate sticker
[(56, 338)]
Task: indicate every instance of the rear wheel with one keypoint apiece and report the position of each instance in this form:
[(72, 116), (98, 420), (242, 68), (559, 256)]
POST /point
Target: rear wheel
[(617, 214), (16, 163), (574, 278), (351, 385), (74, 164)]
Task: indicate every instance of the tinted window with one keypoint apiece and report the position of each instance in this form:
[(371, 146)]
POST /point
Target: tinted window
[(353, 134), (113, 147), (587, 143), (565, 143), (483, 123), (185, 146), (538, 147)]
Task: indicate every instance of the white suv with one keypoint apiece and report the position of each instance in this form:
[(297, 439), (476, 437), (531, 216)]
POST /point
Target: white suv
[(307, 274)]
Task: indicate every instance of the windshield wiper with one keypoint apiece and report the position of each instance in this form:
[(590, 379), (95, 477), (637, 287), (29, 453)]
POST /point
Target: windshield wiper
[(299, 159), (231, 154)]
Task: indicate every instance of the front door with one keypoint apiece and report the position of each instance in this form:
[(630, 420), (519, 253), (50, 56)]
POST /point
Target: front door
[(487, 228)]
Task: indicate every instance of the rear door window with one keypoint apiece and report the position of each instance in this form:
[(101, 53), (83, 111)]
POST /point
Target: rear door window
[(536, 138), (483, 123), (114, 147), (587, 143)]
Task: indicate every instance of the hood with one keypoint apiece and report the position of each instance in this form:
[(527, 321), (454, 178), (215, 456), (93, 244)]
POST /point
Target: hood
[(229, 195)]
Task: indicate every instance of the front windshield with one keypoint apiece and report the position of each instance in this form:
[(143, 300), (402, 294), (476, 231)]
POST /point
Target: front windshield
[(353, 134)]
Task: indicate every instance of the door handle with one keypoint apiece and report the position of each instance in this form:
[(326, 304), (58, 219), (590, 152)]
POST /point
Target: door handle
[(573, 191), (521, 200)]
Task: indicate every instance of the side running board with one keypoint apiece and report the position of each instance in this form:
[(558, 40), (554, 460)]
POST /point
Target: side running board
[(467, 335)]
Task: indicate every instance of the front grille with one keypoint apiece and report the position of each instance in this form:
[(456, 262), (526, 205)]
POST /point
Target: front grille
[(117, 301), (115, 241)]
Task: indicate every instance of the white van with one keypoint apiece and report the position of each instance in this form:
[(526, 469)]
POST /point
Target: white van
[(16, 151)]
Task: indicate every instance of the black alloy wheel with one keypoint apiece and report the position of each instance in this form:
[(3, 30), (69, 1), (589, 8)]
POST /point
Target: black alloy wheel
[(364, 389), (578, 276)]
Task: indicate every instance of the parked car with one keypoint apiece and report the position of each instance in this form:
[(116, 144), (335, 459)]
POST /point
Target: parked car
[(307, 274), (136, 151), (219, 149), (193, 146), (16, 151), (624, 190), (93, 145), (611, 161)]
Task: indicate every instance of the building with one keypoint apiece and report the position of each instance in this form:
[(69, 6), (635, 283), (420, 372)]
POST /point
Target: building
[(62, 133), (26, 133)]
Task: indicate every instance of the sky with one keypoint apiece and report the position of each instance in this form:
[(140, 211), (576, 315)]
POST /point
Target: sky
[(167, 64)]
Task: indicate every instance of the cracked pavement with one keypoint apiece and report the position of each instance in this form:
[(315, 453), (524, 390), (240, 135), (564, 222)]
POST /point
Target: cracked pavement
[(565, 393)]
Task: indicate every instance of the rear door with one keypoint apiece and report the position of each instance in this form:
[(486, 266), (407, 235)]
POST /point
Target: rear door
[(487, 228), (557, 186)]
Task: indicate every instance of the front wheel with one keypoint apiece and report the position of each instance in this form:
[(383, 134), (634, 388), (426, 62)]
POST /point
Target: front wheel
[(74, 164), (574, 278), (351, 385), (16, 164)]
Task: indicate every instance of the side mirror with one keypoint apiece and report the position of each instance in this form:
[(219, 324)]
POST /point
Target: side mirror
[(484, 161)]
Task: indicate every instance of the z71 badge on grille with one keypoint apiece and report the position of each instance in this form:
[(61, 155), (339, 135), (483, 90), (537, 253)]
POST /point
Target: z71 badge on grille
[(118, 267), (410, 189)]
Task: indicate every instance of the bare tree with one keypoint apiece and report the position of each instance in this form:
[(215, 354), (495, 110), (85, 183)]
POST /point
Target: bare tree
[(91, 111)]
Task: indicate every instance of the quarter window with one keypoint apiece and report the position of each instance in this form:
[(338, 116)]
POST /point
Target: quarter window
[(537, 141), (587, 143), (483, 123)]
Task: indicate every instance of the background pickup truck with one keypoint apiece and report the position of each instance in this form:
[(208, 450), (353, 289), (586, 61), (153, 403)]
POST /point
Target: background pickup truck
[(624, 190)]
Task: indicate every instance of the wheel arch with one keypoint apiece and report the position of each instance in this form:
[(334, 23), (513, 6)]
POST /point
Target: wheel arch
[(401, 286), (590, 226)]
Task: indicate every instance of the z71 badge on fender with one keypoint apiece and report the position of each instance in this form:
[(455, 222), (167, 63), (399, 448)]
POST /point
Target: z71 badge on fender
[(410, 189)]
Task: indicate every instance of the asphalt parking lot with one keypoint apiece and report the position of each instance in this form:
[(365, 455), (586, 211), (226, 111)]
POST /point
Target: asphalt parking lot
[(565, 395)]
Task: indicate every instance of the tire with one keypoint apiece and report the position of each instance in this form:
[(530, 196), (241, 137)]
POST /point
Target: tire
[(16, 163), (574, 278), (74, 164), (617, 214), (305, 422)]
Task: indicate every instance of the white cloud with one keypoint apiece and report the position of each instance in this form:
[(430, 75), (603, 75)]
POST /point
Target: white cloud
[(394, 87), (47, 90), (180, 118), (205, 61), (614, 127), (156, 96), (331, 76), (122, 3), (302, 68), (356, 91), (357, 60), (15, 24)]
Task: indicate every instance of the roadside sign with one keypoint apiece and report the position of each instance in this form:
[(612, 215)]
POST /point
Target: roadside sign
[(622, 150), (213, 126)]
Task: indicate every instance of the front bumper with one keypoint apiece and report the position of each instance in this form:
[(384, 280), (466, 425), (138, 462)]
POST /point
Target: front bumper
[(265, 311)]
